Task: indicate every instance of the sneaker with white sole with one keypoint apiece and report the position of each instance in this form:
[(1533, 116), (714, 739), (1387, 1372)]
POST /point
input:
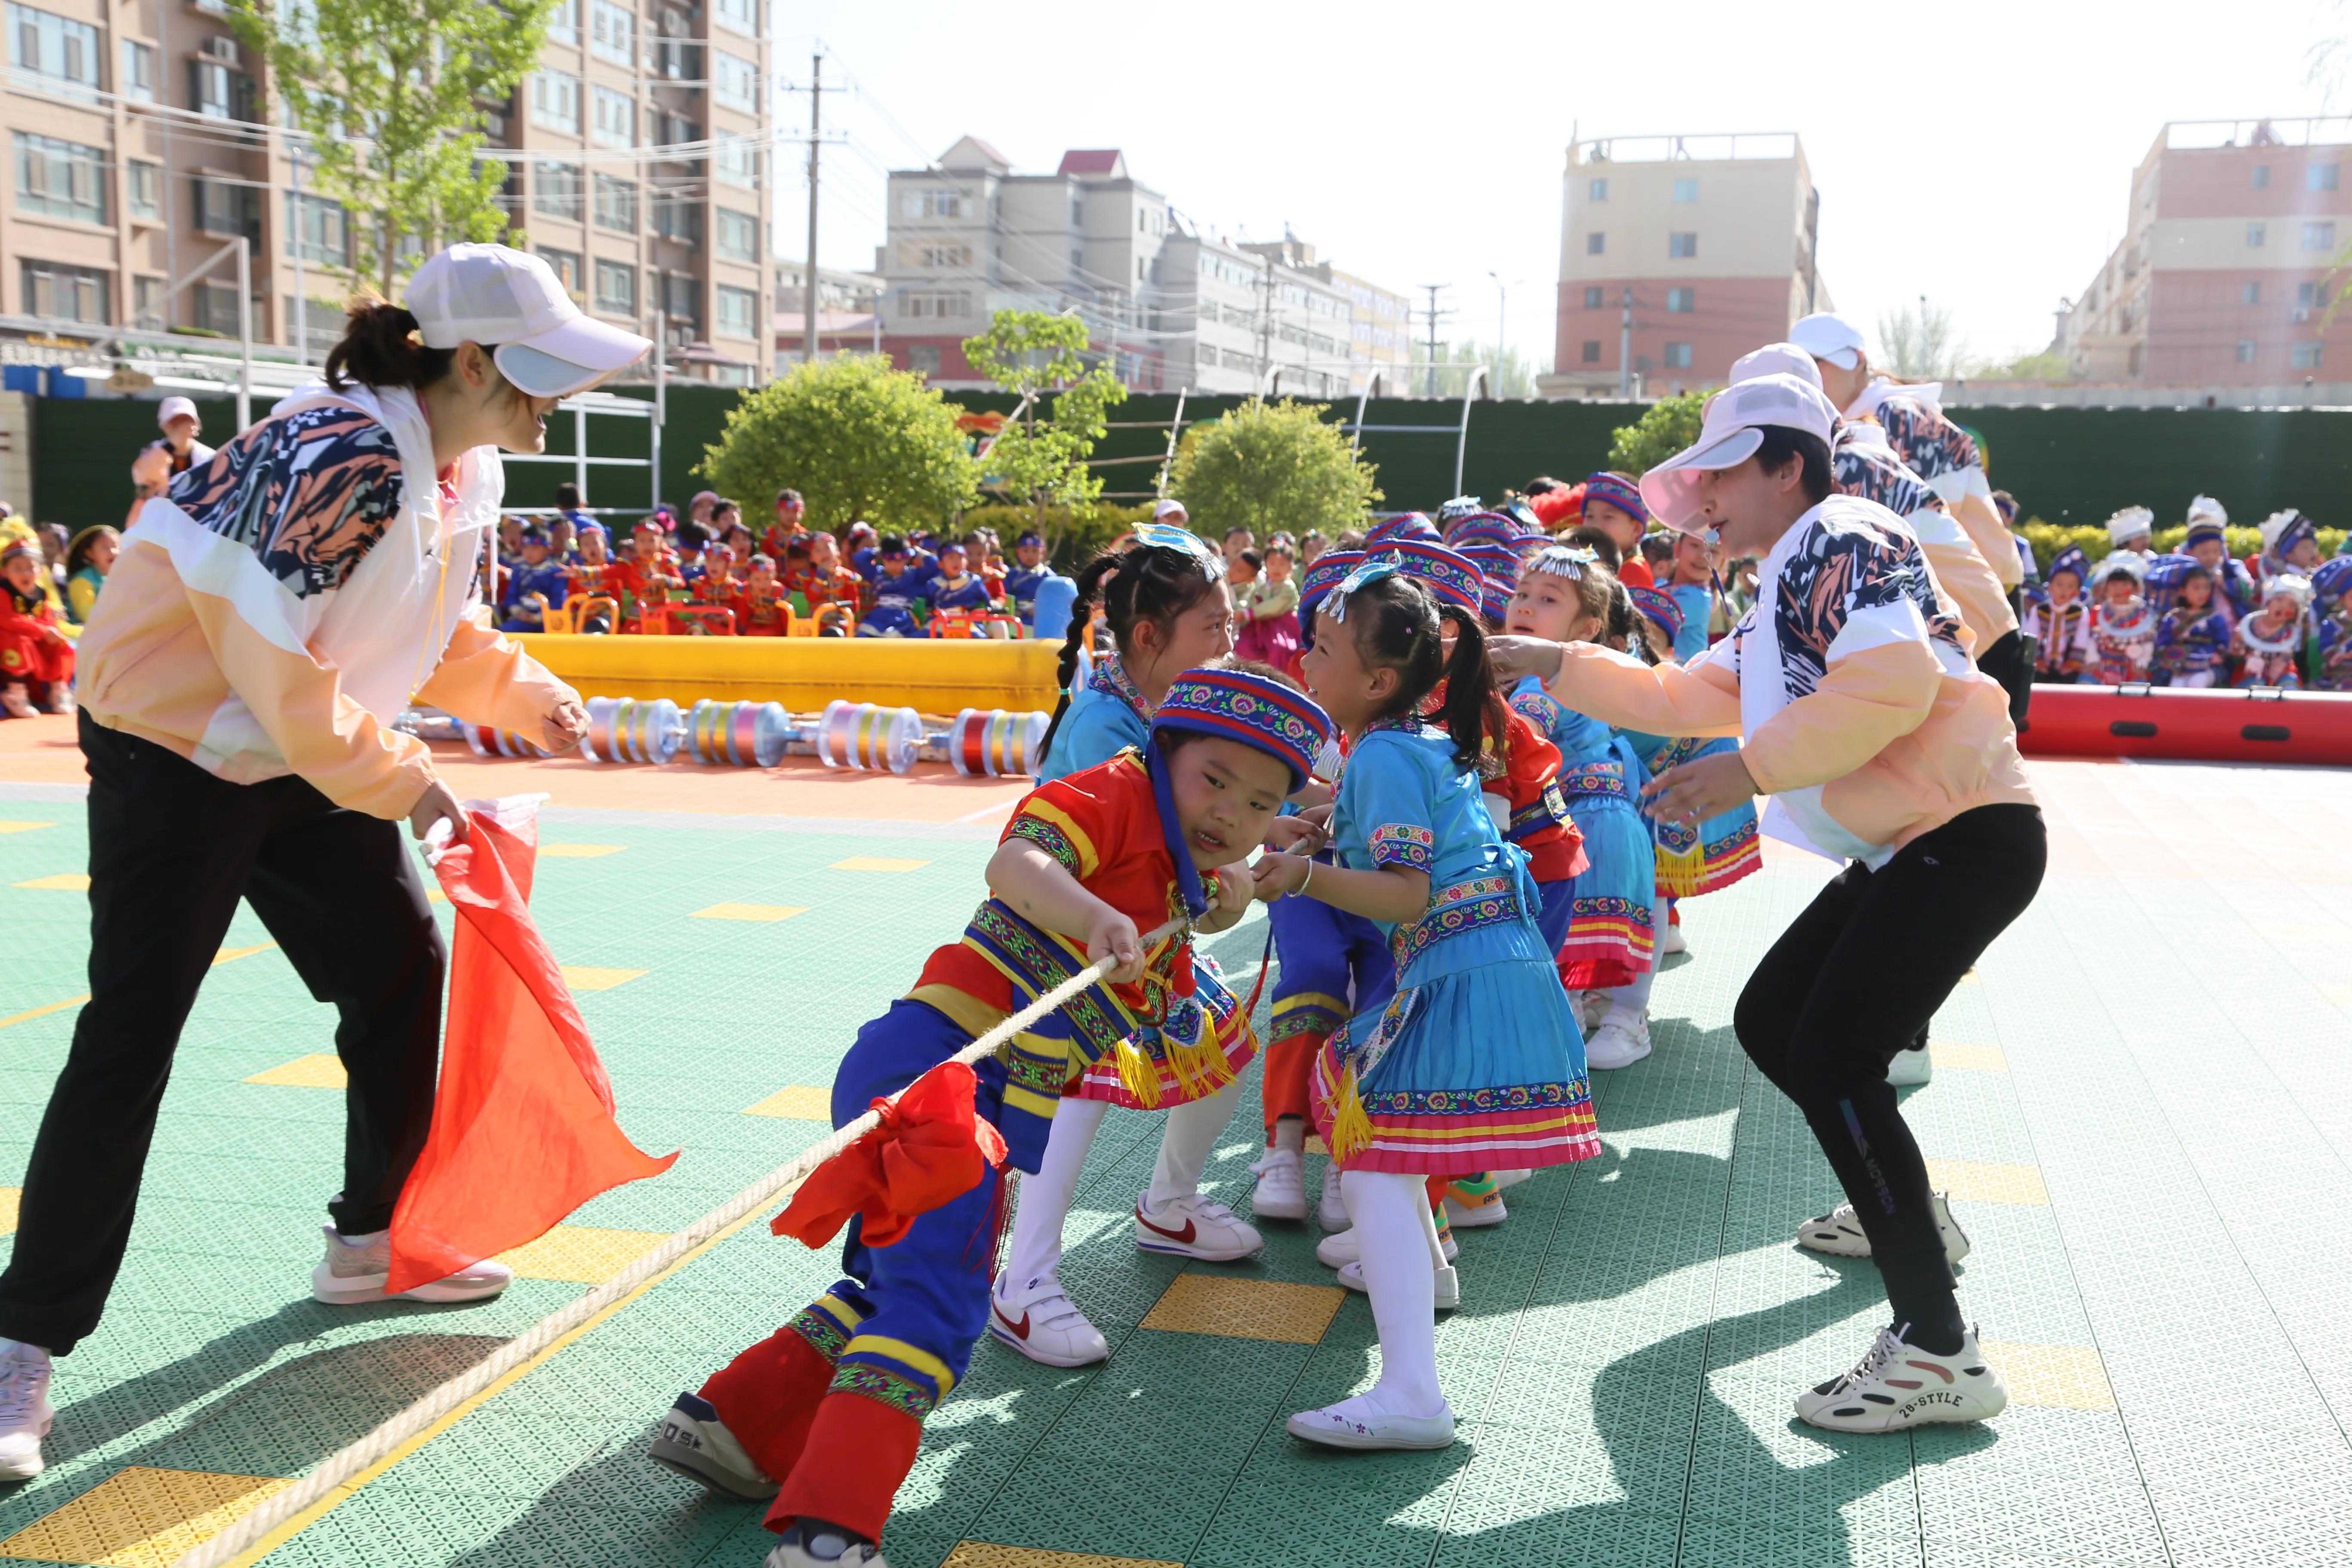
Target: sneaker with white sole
[(1510, 1178), (1591, 1007), (1332, 1212), (1037, 1318), (1193, 1226), (1449, 1283), (813, 1543), (1339, 1426), (1907, 1069), (1338, 1250), (1671, 940), (26, 1414), (357, 1268), (1840, 1234), (1898, 1385), (695, 1443), (1281, 1192), (1475, 1203), (1616, 1044)]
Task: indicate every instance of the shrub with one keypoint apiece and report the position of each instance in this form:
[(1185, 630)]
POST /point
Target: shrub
[(2049, 538), (856, 438), (1270, 466), (1665, 428), (1072, 534)]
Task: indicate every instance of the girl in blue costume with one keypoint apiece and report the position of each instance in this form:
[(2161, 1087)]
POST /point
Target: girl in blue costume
[(953, 588), (1168, 612), (1475, 1063), (2192, 641), (1605, 918)]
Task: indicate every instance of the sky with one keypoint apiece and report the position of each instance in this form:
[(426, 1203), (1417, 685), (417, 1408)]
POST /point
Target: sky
[(1979, 155)]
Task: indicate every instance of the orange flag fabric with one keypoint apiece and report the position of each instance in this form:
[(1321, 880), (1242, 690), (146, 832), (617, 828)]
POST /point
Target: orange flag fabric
[(930, 1149), (523, 1130)]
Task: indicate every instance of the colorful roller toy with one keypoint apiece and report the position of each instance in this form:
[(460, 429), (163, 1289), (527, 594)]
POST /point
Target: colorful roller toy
[(995, 742), (488, 742), (869, 737), (633, 729), (746, 734)]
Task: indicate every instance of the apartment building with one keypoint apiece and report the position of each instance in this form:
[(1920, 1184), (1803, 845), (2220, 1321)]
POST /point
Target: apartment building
[(2228, 268), (1678, 254), (144, 146)]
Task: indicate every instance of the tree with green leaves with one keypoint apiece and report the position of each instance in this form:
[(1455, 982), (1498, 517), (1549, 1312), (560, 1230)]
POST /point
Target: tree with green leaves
[(1271, 465), (858, 440), (389, 96), (1039, 458), (1665, 428)]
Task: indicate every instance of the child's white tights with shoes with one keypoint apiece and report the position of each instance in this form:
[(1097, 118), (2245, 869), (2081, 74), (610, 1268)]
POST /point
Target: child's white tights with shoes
[(1630, 1005), (1397, 1239)]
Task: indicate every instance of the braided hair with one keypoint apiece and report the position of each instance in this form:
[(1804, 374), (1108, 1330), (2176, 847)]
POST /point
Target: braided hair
[(1142, 582)]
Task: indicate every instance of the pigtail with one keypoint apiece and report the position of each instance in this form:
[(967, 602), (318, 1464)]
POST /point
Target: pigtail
[(1082, 615), (1472, 703)]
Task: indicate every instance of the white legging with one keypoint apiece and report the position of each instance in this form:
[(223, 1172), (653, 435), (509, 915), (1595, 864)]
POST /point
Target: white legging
[(1630, 1005), (1396, 1236)]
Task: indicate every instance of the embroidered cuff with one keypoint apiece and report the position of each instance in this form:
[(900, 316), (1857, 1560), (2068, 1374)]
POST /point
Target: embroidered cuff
[(1404, 844)]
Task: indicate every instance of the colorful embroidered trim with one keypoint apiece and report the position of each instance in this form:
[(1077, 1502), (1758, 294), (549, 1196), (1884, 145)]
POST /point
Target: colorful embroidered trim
[(1462, 907), (900, 1393), (1546, 810), (1049, 838), (1404, 844), (1595, 781)]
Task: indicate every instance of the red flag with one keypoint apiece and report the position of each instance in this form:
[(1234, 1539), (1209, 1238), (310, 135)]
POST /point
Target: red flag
[(930, 1149), (523, 1130)]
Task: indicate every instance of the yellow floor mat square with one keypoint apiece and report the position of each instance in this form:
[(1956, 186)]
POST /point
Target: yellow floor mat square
[(65, 883), (765, 913), (799, 1102), (1246, 1308), (324, 1071), (231, 955), (1981, 1184), (854, 863), (586, 977), (23, 827), (2066, 1377), (581, 1253), (140, 1518), (1960, 1054), (8, 1198), (578, 851), (986, 1555)]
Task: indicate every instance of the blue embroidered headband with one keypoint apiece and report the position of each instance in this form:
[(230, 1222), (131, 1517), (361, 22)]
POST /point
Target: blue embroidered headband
[(2071, 559), (1408, 525), (2333, 578), (1255, 710), (1449, 574), (1620, 493), (1331, 570), (1658, 607)]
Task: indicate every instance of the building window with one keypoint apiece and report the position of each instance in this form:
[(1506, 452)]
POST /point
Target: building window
[(935, 204), (216, 92), (142, 185), (1596, 244), (680, 300), (63, 53), (739, 312), (616, 287), (226, 209), (1592, 299), (2245, 351), (566, 265), (933, 255), (65, 293), (940, 304), (315, 225), (2256, 234), (616, 118), (2319, 176), (1682, 302), (555, 100), (1596, 190), (2261, 182), (735, 81), (1686, 190), (2319, 237), (138, 71), (2310, 295), (923, 359), (2250, 293), (213, 307), (1592, 352), (739, 161), (2307, 356), (1678, 356), (678, 218), (613, 33), (739, 235), (1682, 247), (740, 16), (147, 304), (616, 205), (60, 179), (555, 190)]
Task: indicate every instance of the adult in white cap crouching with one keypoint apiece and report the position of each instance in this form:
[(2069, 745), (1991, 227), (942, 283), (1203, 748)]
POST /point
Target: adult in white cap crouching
[(265, 623), (170, 455)]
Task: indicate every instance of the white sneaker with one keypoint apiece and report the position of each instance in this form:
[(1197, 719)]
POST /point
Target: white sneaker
[(26, 1413), (1475, 1208), (1898, 1385), (356, 1269), (1591, 1007), (1909, 1068), (1348, 1425), (1510, 1178), (1281, 1190), (820, 1546), (1339, 1249), (1039, 1321), (1332, 1213), (1616, 1044), (1671, 940), (1449, 1283), (1839, 1232), (1193, 1226), (695, 1443)]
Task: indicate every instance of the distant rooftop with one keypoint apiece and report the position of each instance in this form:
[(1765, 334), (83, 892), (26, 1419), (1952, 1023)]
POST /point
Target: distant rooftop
[(1108, 161), (2323, 131), (1696, 149)]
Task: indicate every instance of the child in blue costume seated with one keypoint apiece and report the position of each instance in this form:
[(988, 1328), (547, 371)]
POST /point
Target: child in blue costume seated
[(891, 592), (2331, 613), (2192, 641), (1028, 571), (1168, 612), (825, 1416), (1474, 1063), (534, 573), (952, 587)]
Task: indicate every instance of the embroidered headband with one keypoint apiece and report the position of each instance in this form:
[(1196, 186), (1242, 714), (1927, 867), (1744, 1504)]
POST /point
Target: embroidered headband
[(1331, 569), (2071, 559), (1260, 712), (1449, 574), (1406, 525), (1622, 494), (2332, 578), (2282, 530), (1658, 607), (2166, 574), (1366, 573)]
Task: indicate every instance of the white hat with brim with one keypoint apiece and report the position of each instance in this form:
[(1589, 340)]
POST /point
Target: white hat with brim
[(1170, 507), (1774, 359), (173, 408), (1732, 431), (512, 303), (1827, 335)]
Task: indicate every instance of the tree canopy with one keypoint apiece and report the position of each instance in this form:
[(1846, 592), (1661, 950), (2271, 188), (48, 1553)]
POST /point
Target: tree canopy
[(1665, 428), (1271, 465), (856, 438), (1039, 460)]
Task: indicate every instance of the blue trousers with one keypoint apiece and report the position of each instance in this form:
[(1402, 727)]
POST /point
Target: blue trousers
[(1333, 964)]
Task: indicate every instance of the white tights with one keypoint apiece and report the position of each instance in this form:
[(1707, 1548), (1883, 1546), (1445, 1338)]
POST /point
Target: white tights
[(1630, 1005), (1396, 1236)]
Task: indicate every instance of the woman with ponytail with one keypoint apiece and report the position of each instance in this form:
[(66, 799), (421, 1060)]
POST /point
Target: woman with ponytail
[(1165, 600), (267, 621), (1475, 1063)]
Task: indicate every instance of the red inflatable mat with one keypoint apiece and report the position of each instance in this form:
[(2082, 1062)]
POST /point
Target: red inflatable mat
[(2261, 725)]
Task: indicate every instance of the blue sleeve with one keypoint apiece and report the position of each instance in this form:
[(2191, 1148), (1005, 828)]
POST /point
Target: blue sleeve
[(1388, 799), (1094, 730)]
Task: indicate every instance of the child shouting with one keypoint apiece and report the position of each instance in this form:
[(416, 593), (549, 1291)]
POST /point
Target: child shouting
[(2122, 628), (33, 652)]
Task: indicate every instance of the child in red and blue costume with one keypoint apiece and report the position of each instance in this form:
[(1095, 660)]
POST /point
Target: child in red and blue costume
[(826, 1415), (2331, 613)]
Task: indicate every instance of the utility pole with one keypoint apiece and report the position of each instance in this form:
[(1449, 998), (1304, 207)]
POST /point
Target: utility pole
[(817, 90), (1429, 373), (1264, 317), (1625, 346)]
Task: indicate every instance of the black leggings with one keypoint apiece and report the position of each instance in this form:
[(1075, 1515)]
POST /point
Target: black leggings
[(1854, 980)]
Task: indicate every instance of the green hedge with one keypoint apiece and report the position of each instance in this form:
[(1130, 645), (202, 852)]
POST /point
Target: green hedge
[(2049, 538)]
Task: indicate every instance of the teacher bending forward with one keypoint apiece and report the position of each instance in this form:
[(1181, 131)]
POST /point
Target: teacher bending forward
[(268, 619), (1881, 745)]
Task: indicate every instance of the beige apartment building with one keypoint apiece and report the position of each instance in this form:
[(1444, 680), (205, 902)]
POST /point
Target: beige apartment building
[(143, 145)]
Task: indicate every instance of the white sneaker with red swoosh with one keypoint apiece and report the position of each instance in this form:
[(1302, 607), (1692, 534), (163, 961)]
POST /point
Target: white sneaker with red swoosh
[(1036, 1318), (1193, 1226), (1898, 1385)]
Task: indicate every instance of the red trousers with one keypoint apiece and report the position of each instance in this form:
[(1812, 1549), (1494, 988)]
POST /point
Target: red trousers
[(29, 653)]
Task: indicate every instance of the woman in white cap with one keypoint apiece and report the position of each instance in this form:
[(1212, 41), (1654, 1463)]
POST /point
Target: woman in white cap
[(1880, 745), (264, 624)]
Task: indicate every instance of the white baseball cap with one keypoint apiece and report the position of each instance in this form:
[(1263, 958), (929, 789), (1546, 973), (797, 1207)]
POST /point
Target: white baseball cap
[(512, 304), (1775, 359), (171, 409), (1170, 507), (1733, 430), (1829, 336)]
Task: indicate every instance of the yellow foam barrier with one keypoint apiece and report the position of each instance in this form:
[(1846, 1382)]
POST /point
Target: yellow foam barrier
[(931, 674)]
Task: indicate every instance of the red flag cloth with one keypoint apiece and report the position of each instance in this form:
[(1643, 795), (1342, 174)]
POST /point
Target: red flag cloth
[(930, 1149), (523, 1130)]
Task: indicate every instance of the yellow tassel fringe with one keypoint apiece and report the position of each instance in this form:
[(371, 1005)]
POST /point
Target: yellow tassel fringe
[(1140, 1076), (1351, 1124), (1679, 874)]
